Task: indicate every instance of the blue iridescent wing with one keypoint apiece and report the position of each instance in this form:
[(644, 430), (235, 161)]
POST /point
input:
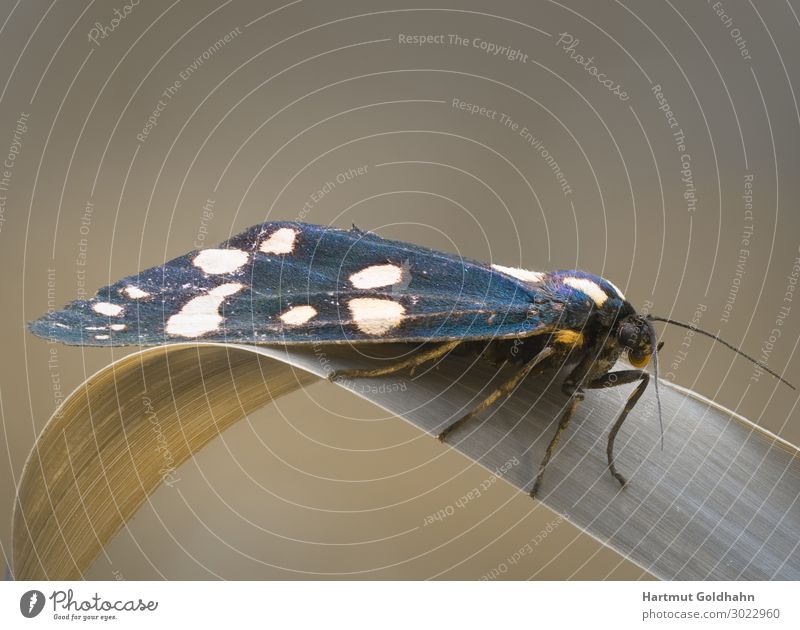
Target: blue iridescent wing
[(295, 283)]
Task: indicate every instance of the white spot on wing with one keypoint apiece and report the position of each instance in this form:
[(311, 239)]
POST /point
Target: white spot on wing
[(215, 261), (589, 287), (520, 274), (375, 316), (107, 308), (135, 293), (298, 315), (101, 337), (377, 276), (616, 288), (201, 314), (281, 241), (118, 327), (224, 290)]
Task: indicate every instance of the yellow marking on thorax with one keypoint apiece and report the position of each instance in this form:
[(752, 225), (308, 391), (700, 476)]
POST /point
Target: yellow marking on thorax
[(569, 337)]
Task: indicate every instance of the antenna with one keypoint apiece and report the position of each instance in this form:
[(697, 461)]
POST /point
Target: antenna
[(656, 347), (722, 341)]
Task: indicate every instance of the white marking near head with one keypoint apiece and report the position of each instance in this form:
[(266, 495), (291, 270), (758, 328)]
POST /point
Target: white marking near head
[(101, 337), (520, 274), (215, 261), (377, 276), (298, 315), (201, 314), (107, 308), (616, 288), (118, 327), (135, 293), (589, 287), (281, 241), (375, 316)]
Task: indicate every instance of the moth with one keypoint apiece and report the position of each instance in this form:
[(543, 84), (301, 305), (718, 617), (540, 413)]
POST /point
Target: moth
[(295, 283)]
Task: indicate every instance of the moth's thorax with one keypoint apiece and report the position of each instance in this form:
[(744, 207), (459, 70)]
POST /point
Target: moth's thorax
[(593, 362), (606, 359), (580, 292)]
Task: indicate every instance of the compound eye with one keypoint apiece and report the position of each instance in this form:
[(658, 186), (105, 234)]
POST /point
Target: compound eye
[(628, 335)]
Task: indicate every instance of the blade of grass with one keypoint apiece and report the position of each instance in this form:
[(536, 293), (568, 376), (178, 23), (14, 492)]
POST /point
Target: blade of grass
[(719, 502)]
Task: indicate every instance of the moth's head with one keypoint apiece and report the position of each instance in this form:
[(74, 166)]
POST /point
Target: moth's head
[(637, 335)]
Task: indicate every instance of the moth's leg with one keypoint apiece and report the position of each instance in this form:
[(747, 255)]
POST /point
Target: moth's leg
[(562, 426), (612, 379), (506, 388), (412, 362)]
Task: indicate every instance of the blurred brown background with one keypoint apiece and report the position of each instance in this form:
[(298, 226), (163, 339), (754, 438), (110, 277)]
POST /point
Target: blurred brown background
[(258, 105)]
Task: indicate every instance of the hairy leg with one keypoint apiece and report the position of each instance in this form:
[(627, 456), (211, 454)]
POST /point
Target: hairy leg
[(412, 362), (576, 398), (506, 388), (613, 379)]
